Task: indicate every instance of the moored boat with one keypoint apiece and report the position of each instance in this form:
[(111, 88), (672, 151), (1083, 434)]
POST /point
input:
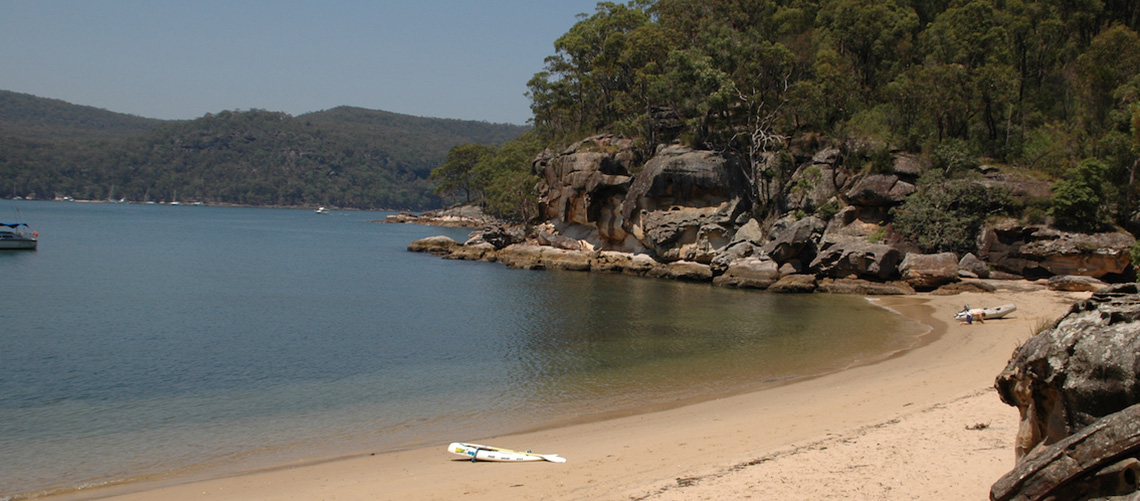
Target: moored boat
[(322, 210), (17, 236)]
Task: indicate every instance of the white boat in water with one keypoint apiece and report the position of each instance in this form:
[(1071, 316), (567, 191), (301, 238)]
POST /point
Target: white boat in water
[(322, 210), (477, 452), (17, 236), (990, 313)]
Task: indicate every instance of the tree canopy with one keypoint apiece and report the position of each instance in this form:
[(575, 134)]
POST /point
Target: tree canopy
[(1036, 84)]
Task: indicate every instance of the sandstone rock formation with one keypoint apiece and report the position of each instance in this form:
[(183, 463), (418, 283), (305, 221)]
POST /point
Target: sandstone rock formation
[(864, 287), (1099, 462), (583, 188), (438, 245), (604, 207), (849, 248), (684, 204), (750, 273), (1077, 374), (972, 267), (795, 284), (1037, 251), (927, 271), (1075, 283), (791, 238), (879, 190), (465, 216)]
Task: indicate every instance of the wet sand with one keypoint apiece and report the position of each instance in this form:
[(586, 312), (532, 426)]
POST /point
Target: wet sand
[(925, 424)]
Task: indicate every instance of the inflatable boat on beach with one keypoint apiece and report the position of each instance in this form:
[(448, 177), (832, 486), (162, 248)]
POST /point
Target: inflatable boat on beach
[(990, 313)]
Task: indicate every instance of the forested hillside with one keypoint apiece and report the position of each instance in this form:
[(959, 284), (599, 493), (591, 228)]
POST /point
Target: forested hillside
[(344, 157), (28, 116), (1039, 86)]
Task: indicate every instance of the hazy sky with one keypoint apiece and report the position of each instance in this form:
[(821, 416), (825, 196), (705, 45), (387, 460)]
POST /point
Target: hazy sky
[(466, 59)]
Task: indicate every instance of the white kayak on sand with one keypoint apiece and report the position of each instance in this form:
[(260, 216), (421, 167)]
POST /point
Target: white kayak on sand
[(990, 313), (478, 452)]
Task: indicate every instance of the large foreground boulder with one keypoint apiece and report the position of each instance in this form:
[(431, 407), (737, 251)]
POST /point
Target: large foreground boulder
[(1076, 374), (1096, 463)]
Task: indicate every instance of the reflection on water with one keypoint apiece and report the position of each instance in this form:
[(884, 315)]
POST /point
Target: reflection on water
[(147, 339), (626, 341)]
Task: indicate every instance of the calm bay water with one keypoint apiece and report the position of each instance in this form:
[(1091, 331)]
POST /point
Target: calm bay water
[(145, 340)]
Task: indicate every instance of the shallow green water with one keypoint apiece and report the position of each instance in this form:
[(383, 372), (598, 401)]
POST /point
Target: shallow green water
[(141, 340)]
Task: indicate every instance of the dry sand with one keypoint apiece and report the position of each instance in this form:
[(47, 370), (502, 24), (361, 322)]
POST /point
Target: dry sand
[(903, 428)]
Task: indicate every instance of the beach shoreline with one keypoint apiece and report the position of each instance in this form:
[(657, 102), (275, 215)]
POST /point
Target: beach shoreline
[(923, 424)]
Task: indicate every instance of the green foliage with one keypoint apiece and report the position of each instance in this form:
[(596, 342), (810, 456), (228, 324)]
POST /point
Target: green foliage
[(878, 236), (1051, 147), (500, 179), (1036, 209), (873, 35), (1111, 61), (953, 157), (1078, 201), (947, 215), (869, 156), (828, 210), (1033, 83), (456, 177), (808, 180), (345, 157)]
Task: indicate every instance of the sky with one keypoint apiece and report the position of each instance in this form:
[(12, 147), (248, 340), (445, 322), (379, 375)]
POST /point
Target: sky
[(182, 59)]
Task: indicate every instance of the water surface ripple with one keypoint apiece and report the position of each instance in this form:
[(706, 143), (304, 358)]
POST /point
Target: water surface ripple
[(145, 339)]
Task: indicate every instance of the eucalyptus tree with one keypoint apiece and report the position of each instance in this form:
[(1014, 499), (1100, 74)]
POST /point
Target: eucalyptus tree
[(876, 36), (456, 177), (586, 85)]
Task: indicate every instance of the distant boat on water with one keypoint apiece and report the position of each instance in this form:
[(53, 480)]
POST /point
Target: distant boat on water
[(17, 236), (323, 210)]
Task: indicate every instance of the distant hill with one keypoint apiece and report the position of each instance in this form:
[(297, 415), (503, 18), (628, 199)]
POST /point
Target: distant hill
[(415, 138), (25, 115), (343, 157)]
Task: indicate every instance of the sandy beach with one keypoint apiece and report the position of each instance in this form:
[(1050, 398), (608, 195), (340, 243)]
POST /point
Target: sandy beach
[(925, 424)]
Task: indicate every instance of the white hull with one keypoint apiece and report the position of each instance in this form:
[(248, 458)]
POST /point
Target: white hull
[(476, 452), (990, 313)]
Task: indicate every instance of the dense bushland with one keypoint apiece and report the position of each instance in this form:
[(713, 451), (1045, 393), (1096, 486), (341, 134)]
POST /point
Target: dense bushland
[(1031, 85)]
